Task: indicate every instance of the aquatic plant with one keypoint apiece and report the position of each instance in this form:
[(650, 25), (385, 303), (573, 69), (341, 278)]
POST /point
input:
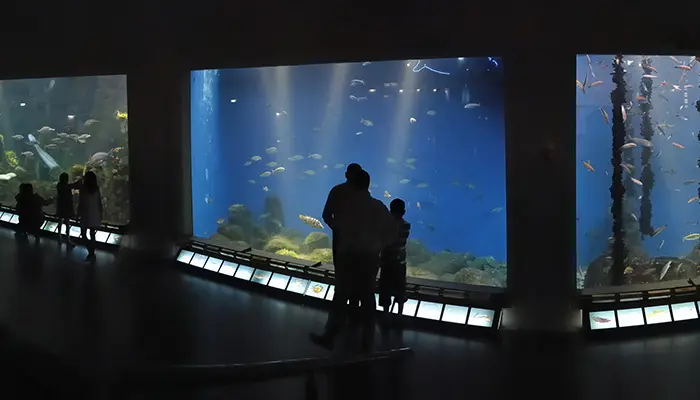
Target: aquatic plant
[(11, 159), (617, 189), (647, 131)]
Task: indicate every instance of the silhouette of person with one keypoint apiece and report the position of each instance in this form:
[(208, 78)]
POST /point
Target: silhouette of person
[(90, 211), (64, 205), (392, 278), (366, 227), (30, 211)]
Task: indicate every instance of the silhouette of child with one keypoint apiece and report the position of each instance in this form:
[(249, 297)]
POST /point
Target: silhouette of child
[(30, 210), (392, 279), (64, 205)]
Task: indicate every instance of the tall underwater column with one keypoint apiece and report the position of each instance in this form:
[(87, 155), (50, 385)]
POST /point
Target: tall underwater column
[(617, 188), (647, 132)]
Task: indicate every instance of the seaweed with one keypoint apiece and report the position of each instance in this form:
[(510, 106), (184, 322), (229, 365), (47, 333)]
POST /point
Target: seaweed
[(617, 188), (647, 132)]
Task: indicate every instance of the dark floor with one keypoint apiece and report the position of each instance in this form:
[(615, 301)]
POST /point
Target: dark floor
[(123, 311)]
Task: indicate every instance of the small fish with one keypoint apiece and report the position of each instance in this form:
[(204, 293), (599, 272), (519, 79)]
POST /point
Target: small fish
[(680, 146), (649, 76), (594, 84), (51, 146), (470, 106), (411, 160), (661, 244), (265, 174), (121, 115), (265, 189), (692, 236), (17, 137), (271, 164), (404, 181), (366, 63), (338, 166), (271, 150), (278, 170), (637, 181), (387, 194), (315, 156), (588, 166), (366, 122), (628, 146), (251, 181), (431, 113), (683, 67), (422, 185), (664, 270), (255, 158), (605, 115), (247, 163), (310, 172), (412, 120), (311, 221), (46, 129), (642, 142), (358, 133), (634, 217), (496, 209), (296, 158), (220, 221), (692, 199), (624, 113), (658, 230), (27, 154), (356, 82), (628, 270)]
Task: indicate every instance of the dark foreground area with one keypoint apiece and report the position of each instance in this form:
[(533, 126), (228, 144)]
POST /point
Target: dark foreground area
[(69, 327)]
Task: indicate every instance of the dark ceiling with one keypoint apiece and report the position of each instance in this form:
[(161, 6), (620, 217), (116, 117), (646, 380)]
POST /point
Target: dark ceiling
[(72, 38)]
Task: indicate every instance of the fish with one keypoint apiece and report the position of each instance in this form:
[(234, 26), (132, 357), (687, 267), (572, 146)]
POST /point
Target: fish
[(664, 270), (411, 160), (247, 163), (366, 63), (624, 113), (265, 189), (692, 236), (296, 158), (634, 216), (683, 67), (658, 230), (220, 221), (338, 166), (255, 158), (315, 156), (692, 199), (251, 181), (470, 106), (642, 142), (271, 150), (404, 181), (271, 164), (594, 84), (637, 181), (431, 113), (628, 146), (358, 133), (90, 122), (387, 194), (51, 146), (366, 122), (605, 115), (412, 120), (422, 185), (310, 221), (356, 82), (661, 244), (278, 170), (648, 76), (265, 174), (588, 165), (680, 146), (310, 172), (8, 176), (46, 129), (17, 137), (122, 116)]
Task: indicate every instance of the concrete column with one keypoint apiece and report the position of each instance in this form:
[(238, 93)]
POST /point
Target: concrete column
[(541, 162)]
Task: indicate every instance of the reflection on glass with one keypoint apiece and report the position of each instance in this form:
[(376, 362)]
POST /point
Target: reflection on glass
[(684, 311), (630, 317), (429, 310), (185, 256), (261, 276), (639, 135), (269, 143), (455, 314), (228, 268), (213, 264), (657, 314), (244, 272), (279, 281), (317, 289), (602, 320), (198, 260), (481, 317), (71, 124), (14, 219)]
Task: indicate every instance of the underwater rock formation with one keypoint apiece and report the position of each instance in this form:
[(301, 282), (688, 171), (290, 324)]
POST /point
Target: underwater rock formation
[(316, 240), (647, 131), (274, 208)]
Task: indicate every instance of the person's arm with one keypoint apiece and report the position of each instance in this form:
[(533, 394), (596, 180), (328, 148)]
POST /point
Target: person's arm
[(329, 208), (390, 229)]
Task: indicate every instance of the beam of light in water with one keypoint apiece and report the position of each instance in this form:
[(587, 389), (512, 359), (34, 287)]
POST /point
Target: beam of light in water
[(493, 60), (45, 157), (425, 66)]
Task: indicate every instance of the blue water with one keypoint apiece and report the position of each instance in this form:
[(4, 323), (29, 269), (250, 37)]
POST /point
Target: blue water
[(458, 175), (671, 168)]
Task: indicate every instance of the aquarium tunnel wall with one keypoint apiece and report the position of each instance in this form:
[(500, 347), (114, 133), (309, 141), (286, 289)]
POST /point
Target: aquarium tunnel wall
[(269, 143)]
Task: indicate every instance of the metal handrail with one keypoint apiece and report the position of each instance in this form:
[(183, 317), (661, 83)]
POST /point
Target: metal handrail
[(235, 374)]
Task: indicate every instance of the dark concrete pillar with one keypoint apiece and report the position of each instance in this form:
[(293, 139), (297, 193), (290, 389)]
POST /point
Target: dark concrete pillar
[(541, 162), (159, 144)]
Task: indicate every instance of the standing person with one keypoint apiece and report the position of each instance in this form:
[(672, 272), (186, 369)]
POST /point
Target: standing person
[(366, 227), (392, 278), (30, 210), (64, 205), (335, 204), (90, 211)]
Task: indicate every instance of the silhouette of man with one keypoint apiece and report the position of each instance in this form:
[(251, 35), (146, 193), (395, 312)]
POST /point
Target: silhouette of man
[(337, 196), (365, 227)]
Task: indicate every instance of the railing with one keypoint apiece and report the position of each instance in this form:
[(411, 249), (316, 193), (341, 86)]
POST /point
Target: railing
[(193, 376)]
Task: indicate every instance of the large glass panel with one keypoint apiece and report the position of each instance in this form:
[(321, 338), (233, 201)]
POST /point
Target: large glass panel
[(73, 125), (637, 182), (269, 143)]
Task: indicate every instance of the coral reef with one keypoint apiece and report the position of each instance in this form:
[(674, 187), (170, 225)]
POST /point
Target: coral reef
[(241, 227)]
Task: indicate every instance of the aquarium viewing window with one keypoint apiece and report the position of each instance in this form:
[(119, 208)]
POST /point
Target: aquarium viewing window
[(637, 183), (268, 144), (101, 236), (69, 125), (430, 310)]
